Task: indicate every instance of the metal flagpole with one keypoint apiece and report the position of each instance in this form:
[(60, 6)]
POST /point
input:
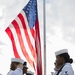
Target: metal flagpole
[(44, 22)]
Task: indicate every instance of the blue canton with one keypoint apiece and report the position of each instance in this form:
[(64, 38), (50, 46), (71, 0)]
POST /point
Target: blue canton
[(31, 12)]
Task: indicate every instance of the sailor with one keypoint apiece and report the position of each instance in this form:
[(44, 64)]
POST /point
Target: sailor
[(63, 63), (16, 67)]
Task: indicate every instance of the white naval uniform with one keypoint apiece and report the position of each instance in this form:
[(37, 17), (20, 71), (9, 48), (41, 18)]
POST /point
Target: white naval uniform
[(18, 71), (0, 74), (66, 70)]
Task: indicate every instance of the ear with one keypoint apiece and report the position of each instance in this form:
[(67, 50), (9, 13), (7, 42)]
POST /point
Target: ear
[(63, 60)]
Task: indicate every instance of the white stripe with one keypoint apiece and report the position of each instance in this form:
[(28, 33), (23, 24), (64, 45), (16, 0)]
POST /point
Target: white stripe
[(28, 30), (16, 41), (24, 38), (29, 33), (18, 45)]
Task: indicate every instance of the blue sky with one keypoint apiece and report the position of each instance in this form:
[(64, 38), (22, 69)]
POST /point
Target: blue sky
[(60, 28)]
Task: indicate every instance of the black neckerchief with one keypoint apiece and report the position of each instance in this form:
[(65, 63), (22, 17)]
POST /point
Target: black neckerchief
[(60, 70)]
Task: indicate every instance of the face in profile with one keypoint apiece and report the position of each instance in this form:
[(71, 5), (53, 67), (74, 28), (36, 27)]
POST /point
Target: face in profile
[(13, 65), (59, 60)]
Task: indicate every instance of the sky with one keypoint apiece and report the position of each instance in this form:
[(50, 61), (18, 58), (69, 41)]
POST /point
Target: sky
[(60, 29)]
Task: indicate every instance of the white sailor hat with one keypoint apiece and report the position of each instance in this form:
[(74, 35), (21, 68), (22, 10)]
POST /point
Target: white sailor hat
[(61, 52), (30, 73), (17, 60)]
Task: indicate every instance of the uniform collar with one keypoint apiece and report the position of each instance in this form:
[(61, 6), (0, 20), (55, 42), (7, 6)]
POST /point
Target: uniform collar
[(59, 68)]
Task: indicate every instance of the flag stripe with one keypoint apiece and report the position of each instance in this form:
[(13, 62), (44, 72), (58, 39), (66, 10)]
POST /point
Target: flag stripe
[(23, 37), (17, 42), (38, 49), (21, 42), (27, 36), (13, 42), (31, 31)]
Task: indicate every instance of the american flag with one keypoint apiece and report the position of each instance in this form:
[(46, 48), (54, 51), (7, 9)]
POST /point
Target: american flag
[(25, 36)]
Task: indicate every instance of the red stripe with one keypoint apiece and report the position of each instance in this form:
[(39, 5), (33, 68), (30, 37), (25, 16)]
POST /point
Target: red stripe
[(38, 50), (15, 24), (38, 30), (9, 32), (32, 32), (27, 36)]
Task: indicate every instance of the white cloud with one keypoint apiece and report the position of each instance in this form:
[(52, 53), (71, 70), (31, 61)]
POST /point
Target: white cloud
[(68, 18), (10, 11), (61, 14), (0, 12), (60, 29), (7, 2)]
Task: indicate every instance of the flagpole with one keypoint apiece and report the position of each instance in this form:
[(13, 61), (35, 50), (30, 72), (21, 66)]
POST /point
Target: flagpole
[(44, 22)]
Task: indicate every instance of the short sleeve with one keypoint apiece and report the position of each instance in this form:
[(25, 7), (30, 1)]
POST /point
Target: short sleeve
[(67, 71)]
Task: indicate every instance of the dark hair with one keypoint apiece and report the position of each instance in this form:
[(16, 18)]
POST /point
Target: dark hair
[(13, 65), (66, 57)]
